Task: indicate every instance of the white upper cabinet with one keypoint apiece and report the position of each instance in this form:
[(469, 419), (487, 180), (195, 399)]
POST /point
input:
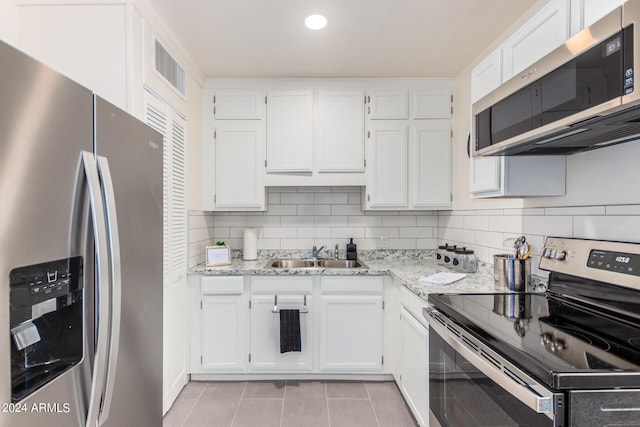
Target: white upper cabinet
[(486, 76), (547, 30), (430, 154), (586, 12), (387, 105), (387, 151), (238, 105), (340, 145), (239, 168), (290, 131), (432, 103)]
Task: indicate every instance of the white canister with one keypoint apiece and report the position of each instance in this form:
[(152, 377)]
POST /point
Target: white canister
[(250, 250)]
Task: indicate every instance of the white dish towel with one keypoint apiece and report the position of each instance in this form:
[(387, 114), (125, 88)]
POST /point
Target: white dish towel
[(442, 278)]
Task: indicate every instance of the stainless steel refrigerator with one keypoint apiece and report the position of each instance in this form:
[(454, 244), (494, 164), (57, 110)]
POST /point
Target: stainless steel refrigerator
[(80, 255)]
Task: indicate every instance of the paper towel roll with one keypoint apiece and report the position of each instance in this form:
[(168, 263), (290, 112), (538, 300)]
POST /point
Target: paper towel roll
[(250, 251)]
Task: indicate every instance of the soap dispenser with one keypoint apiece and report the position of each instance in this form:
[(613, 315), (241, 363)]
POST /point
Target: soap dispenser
[(351, 250)]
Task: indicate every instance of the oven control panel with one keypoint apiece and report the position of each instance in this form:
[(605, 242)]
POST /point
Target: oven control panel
[(605, 261), (615, 261)]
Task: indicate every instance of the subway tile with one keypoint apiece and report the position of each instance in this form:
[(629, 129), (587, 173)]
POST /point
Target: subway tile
[(314, 189), (476, 222), (279, 232), (427, 221), (623, 228), (490, 212), (332, 221), (273, 198), (427, 243), (354, 199), (399, 221), (532, 211), (466, 237), (197, 221), (376, 232), (580, 210), (199, 234), (415, 232), (623, 210), (283, 189), (368, 243), (331, 198), (238, 232), (402, 243), (347, 232), (506, 224), (269, 244), (489, 238), (296, 243), (450, 221), (345, 189), (296, 221), (365, 221), (228, 221), (282, 210), (314, 232), (297, 198), (314, 209), (261, 221), (346, 210), (561, 226)]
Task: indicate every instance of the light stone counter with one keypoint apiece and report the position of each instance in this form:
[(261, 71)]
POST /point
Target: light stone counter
[(407, 267)]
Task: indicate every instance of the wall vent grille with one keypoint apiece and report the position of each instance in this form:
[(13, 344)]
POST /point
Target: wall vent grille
[(169, 68)]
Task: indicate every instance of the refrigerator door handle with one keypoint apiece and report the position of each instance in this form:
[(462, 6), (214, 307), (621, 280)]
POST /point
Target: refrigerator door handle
[(116, 284), (98, 218)]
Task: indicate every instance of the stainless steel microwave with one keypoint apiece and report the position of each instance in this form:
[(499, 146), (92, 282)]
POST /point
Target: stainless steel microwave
[(579, 97)]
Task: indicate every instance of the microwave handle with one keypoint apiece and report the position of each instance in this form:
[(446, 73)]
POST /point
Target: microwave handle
[(469, 146), (529, 393)]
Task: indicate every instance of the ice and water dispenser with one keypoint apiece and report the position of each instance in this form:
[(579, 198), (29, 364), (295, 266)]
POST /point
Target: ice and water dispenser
[(46, 316)]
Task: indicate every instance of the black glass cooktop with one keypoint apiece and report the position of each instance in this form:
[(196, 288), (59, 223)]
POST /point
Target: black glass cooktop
[(559, 341)]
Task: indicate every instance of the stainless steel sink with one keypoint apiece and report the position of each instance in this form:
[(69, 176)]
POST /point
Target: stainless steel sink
[(317, 263)]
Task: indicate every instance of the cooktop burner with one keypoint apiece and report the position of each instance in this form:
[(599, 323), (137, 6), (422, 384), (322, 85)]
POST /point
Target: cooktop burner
[(558, 342)]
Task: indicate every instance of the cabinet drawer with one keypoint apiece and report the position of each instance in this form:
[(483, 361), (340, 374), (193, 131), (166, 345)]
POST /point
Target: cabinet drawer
[(351, 285), (281, 285), (222, 285), (413, 304)]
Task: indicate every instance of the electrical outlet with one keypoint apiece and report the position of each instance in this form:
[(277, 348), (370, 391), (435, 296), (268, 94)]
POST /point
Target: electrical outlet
[(384, 242)]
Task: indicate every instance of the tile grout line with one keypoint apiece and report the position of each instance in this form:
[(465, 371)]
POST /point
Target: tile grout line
[(195, 402), (326, 395), (371, 403), (235, 414), (284, 396)]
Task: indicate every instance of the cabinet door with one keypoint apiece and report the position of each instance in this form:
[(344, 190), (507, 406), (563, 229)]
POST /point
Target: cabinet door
[(224, 333), (485, 174), (265, 335), (547, 30), (239, 171), (387, 105), (351, 329), (486, 76), (433, 103), (431, 164), (290, 131), (341, 131), (414, 362), (387, 168), (586, 12), (237, 105)]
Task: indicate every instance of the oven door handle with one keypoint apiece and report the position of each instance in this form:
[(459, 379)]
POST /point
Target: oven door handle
[(507, 376)]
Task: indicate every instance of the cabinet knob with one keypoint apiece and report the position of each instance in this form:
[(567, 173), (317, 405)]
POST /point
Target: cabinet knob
[(368, 110), (368, 134)]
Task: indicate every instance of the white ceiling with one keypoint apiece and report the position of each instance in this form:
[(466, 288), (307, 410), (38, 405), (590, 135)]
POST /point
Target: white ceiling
[(364, 38)]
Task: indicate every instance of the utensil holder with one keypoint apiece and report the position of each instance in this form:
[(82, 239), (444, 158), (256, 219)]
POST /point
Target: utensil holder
[(511, 274)]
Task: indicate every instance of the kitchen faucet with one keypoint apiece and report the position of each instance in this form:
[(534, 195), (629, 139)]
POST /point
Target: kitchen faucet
[(315, 251), (336, 253)]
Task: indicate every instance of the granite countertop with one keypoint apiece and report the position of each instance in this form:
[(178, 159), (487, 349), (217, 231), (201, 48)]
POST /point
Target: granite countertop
[(408, 270)]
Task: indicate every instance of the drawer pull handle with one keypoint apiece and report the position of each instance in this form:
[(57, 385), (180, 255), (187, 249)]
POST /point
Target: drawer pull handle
[(275, 309)]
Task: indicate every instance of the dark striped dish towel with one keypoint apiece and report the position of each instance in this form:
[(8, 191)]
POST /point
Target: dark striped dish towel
[(290, 331)]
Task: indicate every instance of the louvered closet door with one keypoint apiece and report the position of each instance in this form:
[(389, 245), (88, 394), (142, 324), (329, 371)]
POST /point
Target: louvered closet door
[(172, 126)]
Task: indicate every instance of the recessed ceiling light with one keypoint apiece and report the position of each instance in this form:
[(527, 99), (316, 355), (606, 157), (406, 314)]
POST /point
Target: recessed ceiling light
[(315, 22)]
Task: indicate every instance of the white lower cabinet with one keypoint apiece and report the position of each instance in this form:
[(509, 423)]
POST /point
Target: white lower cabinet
[(219, 325), (291, 293), (351, 324), (412, 365)]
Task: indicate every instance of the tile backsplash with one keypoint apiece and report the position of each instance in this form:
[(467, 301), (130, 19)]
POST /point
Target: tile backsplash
[(300, 217)]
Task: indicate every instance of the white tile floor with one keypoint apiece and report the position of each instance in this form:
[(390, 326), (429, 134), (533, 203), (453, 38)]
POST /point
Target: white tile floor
[(290, 403)]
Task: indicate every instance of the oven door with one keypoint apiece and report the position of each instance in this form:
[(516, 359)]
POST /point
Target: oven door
[(470, 385)]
